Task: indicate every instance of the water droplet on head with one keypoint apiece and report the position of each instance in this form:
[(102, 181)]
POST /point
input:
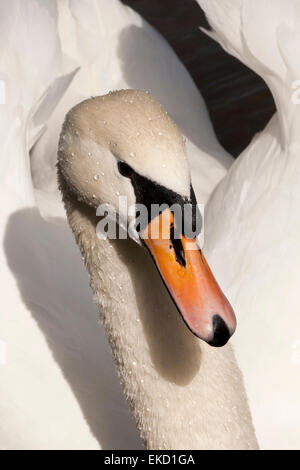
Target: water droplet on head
[(96, 177), (89, 154), (132, 154)]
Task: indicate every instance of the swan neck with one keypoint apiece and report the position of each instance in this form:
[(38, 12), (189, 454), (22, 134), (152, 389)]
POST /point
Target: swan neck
[(183, 394)]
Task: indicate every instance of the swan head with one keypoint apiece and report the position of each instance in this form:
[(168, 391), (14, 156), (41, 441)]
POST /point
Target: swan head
[(124, 145)]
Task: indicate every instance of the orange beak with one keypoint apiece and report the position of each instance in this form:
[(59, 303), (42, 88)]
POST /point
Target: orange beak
[(189, 280)]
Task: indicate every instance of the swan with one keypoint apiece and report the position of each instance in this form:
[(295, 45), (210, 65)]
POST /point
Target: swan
[(49, 339), (252, 219), (182, 393)]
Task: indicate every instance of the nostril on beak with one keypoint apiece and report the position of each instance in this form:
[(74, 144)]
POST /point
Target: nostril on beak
[(221, 333)]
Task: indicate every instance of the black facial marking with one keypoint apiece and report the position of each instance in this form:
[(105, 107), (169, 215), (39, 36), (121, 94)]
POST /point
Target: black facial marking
[(148, 192), (125, 169)]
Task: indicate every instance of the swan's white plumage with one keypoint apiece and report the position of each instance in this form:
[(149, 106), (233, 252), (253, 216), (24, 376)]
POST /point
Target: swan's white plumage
[(64, 374), (241, 28), (252, 220)]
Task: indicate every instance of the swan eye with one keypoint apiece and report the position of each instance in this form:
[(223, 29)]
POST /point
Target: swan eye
[(124, 169)]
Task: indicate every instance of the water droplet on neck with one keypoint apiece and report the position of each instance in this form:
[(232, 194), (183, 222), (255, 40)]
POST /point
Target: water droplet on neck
[(96, 177)]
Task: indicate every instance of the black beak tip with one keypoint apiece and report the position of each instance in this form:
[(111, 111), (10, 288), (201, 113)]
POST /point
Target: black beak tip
[(221, 333)]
